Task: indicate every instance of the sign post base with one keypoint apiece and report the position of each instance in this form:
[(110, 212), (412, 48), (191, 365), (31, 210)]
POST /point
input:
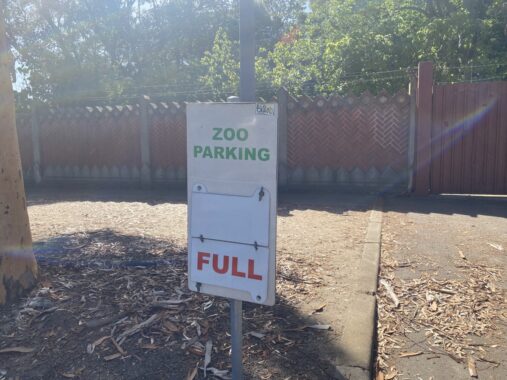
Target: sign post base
[(237, 338)]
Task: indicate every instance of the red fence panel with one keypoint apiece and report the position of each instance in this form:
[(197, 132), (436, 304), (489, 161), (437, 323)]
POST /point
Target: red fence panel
[(469, 138), (350, 140), (90, 142), (168, 141)]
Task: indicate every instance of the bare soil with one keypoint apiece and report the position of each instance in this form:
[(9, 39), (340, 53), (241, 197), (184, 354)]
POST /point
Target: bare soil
[(112, 300)]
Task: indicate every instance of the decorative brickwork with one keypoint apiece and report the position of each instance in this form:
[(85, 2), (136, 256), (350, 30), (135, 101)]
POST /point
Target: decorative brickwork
[(349, 132), (168, 140), (89, 142), (348, 139), (337, 140)]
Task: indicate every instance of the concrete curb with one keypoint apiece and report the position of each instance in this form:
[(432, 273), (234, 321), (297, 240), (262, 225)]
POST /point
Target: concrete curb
[(356, 362)]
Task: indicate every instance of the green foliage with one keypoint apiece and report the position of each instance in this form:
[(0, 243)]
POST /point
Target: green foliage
[(68, 47), (73, 49), (342, 41), (222, 74), (67, 50)]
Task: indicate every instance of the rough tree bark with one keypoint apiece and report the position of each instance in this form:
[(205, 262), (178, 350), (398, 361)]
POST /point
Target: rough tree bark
[(18, 268)]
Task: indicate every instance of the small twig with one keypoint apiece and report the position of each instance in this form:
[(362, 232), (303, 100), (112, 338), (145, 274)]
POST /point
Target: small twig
[(293, 279), (434, 349), (44, 312), (391, 293), (489, 361), (445, 291), (415, 313), (410, 354), (118, 347), (95, 323), (133, 330)]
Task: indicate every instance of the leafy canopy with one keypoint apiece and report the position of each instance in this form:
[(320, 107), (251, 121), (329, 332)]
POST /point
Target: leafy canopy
[(68, 50), (342, 41)]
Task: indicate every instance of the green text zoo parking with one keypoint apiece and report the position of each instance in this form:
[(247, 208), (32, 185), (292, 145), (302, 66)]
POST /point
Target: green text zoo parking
[(231, 152)]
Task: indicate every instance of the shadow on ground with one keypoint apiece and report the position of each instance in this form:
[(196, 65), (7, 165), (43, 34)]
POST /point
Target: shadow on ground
[(288, 201), (449, 205), (98, 275), (72, 193)]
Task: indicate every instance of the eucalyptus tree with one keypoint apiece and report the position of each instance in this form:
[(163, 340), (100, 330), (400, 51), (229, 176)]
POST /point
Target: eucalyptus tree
[(18, 268)]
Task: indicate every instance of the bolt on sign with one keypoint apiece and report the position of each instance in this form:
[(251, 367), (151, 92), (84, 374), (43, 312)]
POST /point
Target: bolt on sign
[(232, 198)]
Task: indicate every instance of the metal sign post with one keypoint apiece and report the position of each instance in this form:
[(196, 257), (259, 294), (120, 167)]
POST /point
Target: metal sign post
[(247, 94), (236, 338), (247, 51), (232, 195)]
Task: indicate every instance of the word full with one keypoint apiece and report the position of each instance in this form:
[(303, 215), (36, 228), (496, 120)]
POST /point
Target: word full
[(226, 264)]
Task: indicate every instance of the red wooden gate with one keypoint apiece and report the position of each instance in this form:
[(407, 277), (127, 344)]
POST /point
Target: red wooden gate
[(469, 138)]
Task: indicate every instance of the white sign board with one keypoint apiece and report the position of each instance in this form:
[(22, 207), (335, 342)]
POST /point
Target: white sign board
[(232, 198)]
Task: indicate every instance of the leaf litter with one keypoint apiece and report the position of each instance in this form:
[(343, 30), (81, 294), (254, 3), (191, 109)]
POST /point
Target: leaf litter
[(448, 311), (109, 299)]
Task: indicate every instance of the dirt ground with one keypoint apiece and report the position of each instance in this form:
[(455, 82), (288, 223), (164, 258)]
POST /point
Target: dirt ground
[(445, 260), (112, 302)]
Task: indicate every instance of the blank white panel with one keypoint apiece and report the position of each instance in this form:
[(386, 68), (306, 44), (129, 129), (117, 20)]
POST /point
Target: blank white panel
[(231, 218)]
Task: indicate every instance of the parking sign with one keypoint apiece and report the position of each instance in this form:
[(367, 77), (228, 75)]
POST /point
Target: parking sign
[(232, 198)]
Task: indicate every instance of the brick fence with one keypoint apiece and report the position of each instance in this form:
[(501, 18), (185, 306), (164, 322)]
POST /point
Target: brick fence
[(349, 141), (335, 142)]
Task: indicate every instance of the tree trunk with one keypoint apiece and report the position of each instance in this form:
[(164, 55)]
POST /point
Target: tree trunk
[(18, 268)]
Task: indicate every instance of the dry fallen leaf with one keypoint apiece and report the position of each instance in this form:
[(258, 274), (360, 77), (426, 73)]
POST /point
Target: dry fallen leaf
[(149, 346), (207, 355), (221, 374), (101, 340), (112, 357), (191, 373), (410, 354), (196, 350), (16, 349), (170, 326), (91, 347), (320, 327), (472, 369), (320, 309), (496, 246), (257, 335)]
